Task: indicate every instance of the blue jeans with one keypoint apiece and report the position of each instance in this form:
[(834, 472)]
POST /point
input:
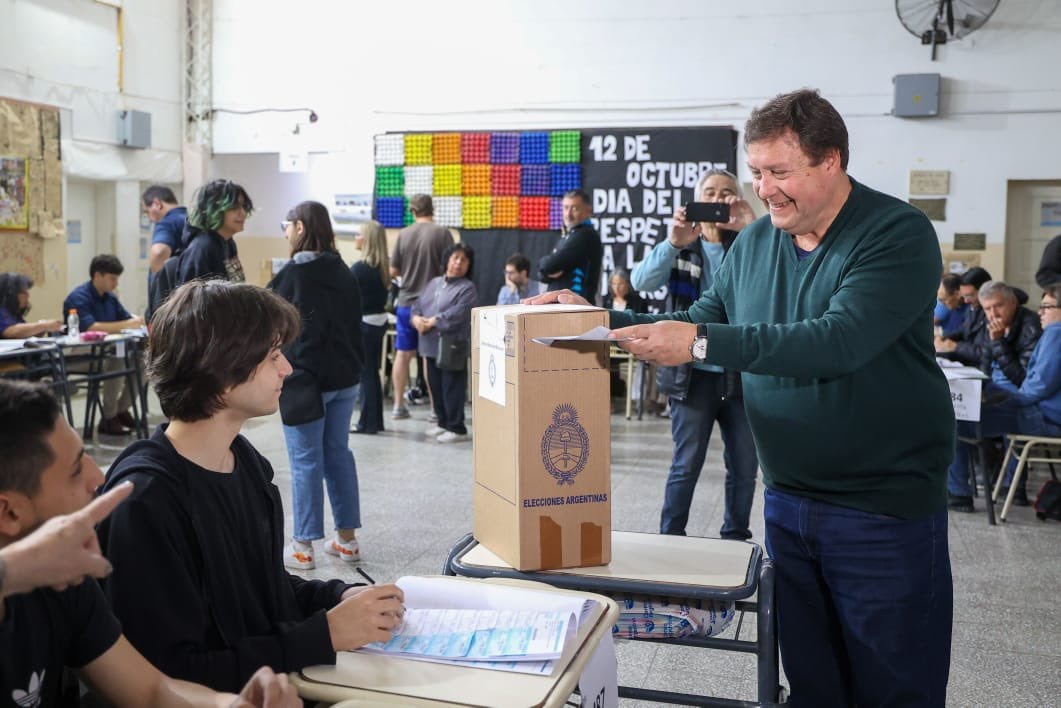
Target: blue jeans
[(318, 451), (995, 421), (864, 604), (691, 423)]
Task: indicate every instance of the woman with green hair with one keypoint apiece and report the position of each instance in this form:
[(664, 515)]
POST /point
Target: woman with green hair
[(218, 213)]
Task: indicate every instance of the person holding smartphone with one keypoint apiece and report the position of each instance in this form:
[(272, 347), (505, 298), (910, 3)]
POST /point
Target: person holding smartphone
[(701, 394)]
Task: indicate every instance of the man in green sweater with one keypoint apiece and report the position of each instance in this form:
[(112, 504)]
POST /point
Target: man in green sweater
[(826, 306)]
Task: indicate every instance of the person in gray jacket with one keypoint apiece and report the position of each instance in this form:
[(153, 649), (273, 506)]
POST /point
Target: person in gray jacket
[(443, 318)]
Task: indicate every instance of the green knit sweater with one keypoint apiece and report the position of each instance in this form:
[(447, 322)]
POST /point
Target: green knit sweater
[(841, 388)]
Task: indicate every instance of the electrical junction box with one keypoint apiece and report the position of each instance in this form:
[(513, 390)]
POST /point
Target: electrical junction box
[(916, 95), (134, 129)]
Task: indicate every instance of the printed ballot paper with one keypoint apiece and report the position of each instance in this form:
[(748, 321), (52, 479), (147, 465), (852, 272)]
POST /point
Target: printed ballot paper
[(597, 334), (483, 625)]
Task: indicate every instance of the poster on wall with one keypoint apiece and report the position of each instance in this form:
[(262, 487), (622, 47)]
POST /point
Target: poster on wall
[(638, 177), (502, 190), (14, 216)]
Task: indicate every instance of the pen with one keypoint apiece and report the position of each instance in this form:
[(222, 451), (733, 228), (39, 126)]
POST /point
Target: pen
[(365, 575)]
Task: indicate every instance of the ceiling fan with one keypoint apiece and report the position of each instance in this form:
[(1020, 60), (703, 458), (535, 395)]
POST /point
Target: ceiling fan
[(937, 21)]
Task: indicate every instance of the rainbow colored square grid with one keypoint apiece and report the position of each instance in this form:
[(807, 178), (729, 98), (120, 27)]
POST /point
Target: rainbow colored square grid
[(502, 180)]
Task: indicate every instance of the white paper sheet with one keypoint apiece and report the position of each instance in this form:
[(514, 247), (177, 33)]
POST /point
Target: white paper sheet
[(597, 334), (599, 683), (955, 373), (492, 356), (965, 397)]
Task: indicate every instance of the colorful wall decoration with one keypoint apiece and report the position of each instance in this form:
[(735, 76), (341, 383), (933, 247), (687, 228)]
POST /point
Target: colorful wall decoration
[(502, 190), (499, 180)]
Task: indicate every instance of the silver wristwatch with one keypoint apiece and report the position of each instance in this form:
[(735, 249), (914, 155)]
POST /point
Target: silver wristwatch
[(698, 348)]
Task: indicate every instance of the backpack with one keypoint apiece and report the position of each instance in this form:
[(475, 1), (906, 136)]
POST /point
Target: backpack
[(1048, 502), (163, 283)]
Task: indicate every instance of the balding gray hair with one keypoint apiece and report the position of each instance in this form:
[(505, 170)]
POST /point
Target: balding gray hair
[(996, 289), (711, 173)]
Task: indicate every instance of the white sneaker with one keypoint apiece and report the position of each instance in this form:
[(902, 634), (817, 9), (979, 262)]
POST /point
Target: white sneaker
[(451, 437), (434, 431), (349, 551), (299, 555)]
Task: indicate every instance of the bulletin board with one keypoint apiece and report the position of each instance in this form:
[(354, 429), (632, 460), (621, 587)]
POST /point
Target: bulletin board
[(503, 190), (14, 216), (29, 146)]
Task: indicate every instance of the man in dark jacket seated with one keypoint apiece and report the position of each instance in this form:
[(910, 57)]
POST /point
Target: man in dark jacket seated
[(1013, 332)]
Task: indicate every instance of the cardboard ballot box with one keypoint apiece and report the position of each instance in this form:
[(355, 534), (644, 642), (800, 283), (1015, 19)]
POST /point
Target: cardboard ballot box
[(542, 444)]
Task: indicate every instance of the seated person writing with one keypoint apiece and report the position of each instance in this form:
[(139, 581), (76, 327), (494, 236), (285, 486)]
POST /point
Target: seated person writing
[(951, 308), (1021, 373), (199, 582), (99, 310), (51, 616), (14, 305)]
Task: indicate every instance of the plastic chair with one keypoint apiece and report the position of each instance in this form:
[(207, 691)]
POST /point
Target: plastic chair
[(1020, 448)]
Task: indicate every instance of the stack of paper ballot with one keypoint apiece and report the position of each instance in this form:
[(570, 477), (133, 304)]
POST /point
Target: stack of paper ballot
[(484, 625)]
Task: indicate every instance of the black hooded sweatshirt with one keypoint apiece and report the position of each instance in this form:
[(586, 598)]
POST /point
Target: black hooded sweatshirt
[(199, 582), (208, 255), (327, 296)]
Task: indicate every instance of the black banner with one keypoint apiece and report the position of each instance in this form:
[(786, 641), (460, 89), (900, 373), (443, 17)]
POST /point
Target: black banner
[(638, 176), (635, 177), (492, 248)]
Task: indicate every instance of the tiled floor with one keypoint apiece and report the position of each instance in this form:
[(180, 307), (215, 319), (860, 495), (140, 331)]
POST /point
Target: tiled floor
[(416, 501)]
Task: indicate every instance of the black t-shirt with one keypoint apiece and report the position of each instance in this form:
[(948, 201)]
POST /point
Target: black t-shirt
[(242, 533), (45, 630)]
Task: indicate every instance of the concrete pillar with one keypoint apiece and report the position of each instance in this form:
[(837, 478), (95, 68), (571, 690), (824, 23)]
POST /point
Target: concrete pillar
[(132, 290)]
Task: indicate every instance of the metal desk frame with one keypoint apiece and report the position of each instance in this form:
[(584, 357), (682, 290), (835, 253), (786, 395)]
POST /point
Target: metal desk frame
[(96, 357), (760, 576), (42, 358)]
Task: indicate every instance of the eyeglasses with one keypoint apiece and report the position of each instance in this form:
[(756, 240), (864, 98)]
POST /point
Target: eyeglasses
[(1044, 307), (284, 225)]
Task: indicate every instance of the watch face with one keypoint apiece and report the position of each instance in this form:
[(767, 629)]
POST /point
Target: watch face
[(700, 348)]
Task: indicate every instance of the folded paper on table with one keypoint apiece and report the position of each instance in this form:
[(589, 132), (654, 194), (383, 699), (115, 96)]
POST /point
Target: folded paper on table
[(486, 626), (597, 334), (963, 372)]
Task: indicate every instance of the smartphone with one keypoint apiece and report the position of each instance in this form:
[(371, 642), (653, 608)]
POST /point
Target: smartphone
[(707, 211)]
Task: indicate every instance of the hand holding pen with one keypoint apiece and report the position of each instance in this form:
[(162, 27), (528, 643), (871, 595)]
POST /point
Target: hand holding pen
[(365, 615)]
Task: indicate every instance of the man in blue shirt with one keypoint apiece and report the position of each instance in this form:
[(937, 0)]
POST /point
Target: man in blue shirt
[(160, 205), (949, 314), (100, 311), (518, 283)]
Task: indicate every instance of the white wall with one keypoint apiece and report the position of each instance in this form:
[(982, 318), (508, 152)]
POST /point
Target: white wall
[(81, 200), (64, 53), (370, 67)]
